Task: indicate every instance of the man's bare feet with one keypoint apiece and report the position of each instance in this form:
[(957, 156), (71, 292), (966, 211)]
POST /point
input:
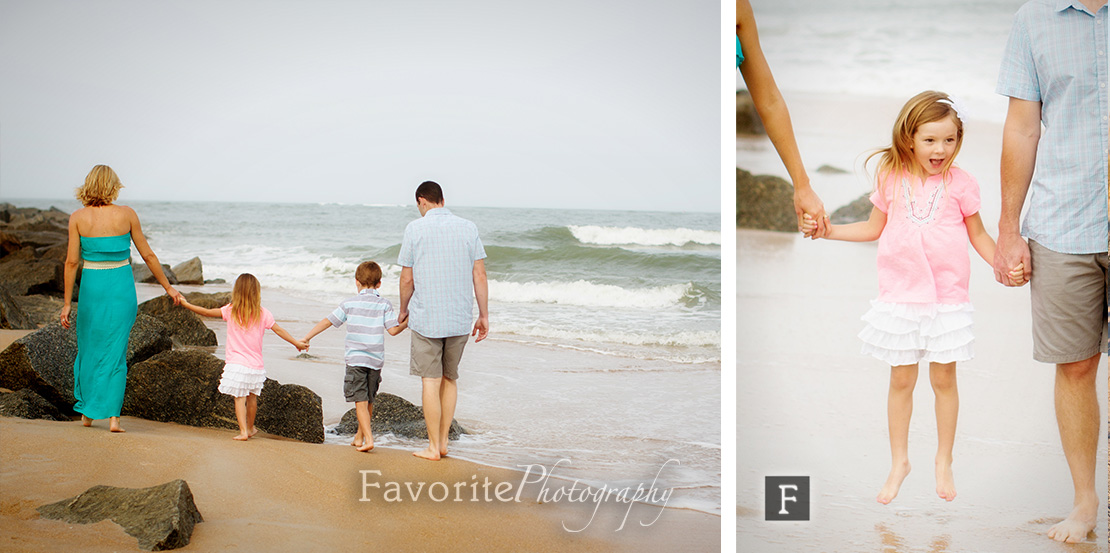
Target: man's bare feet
[(113, 425), (946, 483), (428, 453), (242, 437), (443, 451), (1080, 522), (86, 421), (367, 445), (893, 483), (356, 442)]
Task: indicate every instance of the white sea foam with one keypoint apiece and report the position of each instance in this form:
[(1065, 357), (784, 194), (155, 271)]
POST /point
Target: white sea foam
[(617, 236), (684, 338), (588, 294)]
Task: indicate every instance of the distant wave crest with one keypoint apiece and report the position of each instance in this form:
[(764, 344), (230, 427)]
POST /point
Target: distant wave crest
[(589, 294), (614, 236)]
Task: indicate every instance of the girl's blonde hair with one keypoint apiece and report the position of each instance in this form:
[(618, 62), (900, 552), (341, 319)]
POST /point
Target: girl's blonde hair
[(898, 159), (246, 300), (101, 187)]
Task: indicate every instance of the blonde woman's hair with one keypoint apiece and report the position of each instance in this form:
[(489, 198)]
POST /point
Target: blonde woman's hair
[(898, 159), (246, 301), (101, 187)]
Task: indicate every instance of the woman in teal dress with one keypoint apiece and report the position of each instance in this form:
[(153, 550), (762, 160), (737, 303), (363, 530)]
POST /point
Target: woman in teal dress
[(776, 118), (101, 234)]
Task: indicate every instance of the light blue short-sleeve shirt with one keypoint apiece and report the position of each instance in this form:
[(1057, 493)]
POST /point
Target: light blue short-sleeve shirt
[(441, 249), (1057, 55), (367, 316)]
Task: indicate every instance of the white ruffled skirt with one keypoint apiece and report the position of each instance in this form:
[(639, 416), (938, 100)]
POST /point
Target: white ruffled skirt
[(241, 381), (908, 333)]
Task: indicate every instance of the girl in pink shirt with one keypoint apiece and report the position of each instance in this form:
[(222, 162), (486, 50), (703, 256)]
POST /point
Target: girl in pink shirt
[(244, 373), (925, 212)]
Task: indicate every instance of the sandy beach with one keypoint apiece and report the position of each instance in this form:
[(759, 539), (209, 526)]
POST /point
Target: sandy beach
[(274, 494), (279, 494), (808, 403)]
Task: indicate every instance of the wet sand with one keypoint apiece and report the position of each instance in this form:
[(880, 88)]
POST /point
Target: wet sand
[(273, 494), (808, 403)]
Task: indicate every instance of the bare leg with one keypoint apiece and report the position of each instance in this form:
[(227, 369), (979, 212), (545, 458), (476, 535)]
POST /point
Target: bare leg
[(432, 413), (241, 416), (1077, 415), (899, 407), (943, 378), (364, 410), (252, 410), (113, 425), (448, 398)]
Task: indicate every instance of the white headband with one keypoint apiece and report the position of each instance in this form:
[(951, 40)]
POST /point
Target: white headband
[(956, 105)]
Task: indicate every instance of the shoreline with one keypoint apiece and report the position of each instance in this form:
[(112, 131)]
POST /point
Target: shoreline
[(286, 494)]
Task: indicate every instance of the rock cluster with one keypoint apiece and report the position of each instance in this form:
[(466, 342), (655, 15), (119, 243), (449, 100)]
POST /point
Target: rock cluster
[(394, 415)]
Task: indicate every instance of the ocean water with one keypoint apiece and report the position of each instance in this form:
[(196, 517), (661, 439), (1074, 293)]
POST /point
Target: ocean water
[(605, 326), (893, 48)]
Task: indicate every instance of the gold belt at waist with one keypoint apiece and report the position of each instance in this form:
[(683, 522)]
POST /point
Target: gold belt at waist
[(105, 264)]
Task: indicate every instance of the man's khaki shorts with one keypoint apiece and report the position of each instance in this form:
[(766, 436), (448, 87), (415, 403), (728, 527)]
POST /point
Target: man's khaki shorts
[(1069, 304), (436, 357)]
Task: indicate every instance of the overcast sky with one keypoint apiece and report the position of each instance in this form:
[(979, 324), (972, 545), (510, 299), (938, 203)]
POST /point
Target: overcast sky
[(607, 104)]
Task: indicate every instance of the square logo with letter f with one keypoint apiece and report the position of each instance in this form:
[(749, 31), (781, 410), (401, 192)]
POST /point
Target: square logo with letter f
[(787, 498)]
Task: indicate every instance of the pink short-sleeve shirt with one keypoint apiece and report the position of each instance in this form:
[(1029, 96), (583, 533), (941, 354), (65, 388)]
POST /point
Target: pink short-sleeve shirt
[(923, 254), (244, 345)]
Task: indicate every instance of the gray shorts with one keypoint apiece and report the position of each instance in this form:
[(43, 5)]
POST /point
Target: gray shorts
[(1069, 293), (436, 357), (361, 383)]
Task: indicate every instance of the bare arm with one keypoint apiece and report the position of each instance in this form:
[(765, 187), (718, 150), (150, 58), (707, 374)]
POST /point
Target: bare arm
[(775, 116), (1020, 136), (397, 329), (299, 344), (73, 257), (481, 293), (865, 231), (149, 258), (980, 239), (320, 327), (201, 310), (407, 288)]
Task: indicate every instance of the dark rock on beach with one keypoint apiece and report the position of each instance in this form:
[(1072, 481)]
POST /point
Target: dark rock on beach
[(764, 202), (41, 309), (160, 517), (142, 273), (43, 360), (213, 300), (23, 274), (858, 210), (830, 170), (748, 122), (186, 328), (393, 414), (189, 272), (12, 315), (181, 386), (26, 404)]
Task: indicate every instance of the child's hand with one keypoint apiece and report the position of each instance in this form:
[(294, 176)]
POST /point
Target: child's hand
[(301, 345), (1017, 275), (809, 225)]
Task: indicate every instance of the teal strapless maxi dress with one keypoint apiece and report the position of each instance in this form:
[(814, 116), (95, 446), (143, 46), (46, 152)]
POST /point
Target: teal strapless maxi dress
[(106, 307)]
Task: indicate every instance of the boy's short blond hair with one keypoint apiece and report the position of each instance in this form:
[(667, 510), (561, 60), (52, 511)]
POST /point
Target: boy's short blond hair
[(101, 187), (369, 274)]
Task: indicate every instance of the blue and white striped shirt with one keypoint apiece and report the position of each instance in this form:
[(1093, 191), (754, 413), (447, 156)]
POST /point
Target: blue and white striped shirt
[(1057, 55), (367, 316), (441, 248)]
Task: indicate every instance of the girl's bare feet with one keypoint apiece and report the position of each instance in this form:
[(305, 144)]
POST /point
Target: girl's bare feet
[(946, 483), (86, 421), (242, 437), (253, 432), (898, 473)]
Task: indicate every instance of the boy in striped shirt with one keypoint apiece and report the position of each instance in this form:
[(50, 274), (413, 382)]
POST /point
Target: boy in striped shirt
[(368, 316)]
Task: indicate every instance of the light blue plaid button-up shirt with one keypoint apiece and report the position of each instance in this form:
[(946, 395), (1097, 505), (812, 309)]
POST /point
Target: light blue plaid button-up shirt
[(1057, 55), (441, 248)]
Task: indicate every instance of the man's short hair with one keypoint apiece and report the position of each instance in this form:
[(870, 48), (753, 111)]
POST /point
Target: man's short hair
[(429, 191), (368, 274)]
